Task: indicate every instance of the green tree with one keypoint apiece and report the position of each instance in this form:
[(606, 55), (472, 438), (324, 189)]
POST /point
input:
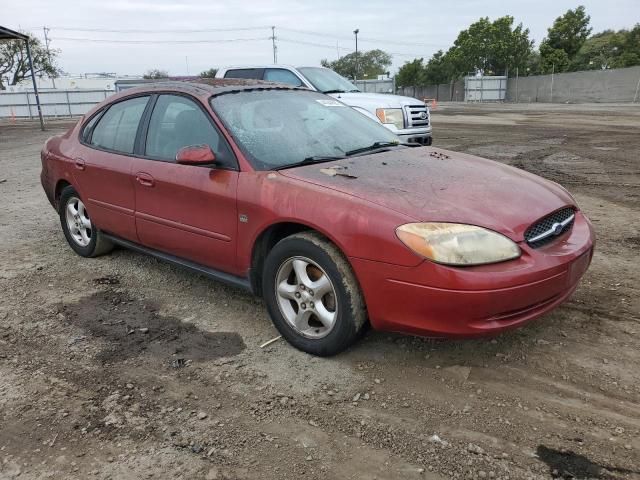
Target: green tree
[(569, 31), (600, 51), (411, 73), (370, 64), (439, 69), (553, 59), (533, 66), (211, 73), (564, 39), (155, 74), (14, 62), (609, 49), (490, 47)]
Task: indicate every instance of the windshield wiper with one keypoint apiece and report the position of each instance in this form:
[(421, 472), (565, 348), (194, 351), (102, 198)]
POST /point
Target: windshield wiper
[(334, 91), (377, 145), (311, 160)]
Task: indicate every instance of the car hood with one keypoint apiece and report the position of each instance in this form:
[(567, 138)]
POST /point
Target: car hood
[(431, 184), (378, 100)]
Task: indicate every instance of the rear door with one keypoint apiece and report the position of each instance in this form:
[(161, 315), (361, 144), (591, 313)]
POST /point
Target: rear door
[(102, 168), (185, 210)]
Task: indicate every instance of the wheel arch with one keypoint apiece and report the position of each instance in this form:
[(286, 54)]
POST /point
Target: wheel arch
[(61, 185), (269, 237)]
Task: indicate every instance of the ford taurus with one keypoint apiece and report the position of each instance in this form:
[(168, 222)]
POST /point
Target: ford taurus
[(317, 208)]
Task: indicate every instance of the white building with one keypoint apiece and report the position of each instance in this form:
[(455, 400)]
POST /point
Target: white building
[(88, 81)]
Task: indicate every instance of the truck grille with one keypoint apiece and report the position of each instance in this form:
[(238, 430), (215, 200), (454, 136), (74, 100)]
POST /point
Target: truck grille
[(550, 227), (417, 116)]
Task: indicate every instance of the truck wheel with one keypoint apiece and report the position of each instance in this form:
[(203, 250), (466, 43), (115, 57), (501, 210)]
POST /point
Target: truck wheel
[(312, 294), (83, 237)]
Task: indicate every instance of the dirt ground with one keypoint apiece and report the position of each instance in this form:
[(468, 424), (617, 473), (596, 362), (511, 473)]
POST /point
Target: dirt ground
[(122, 367)]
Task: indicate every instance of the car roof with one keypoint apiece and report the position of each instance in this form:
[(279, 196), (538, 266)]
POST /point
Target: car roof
[(273, 65), (210, 86)]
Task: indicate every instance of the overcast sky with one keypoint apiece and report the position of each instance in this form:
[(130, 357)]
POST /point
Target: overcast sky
[(406, 28)]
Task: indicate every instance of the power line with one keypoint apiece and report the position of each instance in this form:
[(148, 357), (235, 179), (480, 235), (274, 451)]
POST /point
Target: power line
[(238, 29), (362, 39), (206, 41), (135, 30), (106, 40), (312, 44), (324, 45)]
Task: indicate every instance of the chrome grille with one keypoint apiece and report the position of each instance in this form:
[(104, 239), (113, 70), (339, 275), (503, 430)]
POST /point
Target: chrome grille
[(550, 227), (414, 116)]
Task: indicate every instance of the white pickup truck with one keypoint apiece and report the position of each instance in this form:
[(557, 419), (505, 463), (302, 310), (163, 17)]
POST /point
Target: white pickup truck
[(407, 117)]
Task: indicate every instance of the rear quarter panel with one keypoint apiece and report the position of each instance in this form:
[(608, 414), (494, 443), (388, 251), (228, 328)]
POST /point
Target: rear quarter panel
[(56, 162)]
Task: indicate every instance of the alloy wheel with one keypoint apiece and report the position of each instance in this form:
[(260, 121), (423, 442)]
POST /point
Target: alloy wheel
[(306, 297), (78, 221)]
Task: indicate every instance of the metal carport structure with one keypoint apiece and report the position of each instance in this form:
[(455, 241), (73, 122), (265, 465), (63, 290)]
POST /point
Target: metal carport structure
[(8, 34)]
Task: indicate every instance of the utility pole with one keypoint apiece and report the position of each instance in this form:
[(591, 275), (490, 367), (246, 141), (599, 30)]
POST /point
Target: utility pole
[(273, 43), (186, 61), (553, 71), (635, 97), (35, 86), (355, 32), (46, 43)]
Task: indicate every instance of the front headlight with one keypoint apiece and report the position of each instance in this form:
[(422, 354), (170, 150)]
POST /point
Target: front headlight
[(391, 115), (457, 244)]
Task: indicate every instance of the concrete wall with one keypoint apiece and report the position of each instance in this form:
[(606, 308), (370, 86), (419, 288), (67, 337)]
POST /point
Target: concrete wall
[(446, 92), (599, 86), (386, 85), (594, 86)]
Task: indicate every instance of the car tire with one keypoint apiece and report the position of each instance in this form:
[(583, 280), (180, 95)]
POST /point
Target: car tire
[(83, 237), (323, 322)]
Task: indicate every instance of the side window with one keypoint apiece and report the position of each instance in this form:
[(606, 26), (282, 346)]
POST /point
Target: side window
[(86, 132), (116, 130), (282, 76), (178, 122), (253, 73)]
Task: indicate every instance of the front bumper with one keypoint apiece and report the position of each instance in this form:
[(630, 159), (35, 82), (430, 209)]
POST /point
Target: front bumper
[(439, 301), (415, 135), (48, 190)]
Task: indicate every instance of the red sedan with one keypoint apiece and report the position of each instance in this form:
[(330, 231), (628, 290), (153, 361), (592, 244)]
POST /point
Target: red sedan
[(322, 211)]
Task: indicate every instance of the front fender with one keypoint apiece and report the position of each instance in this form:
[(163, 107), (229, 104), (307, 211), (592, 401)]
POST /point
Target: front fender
[(358, 227)]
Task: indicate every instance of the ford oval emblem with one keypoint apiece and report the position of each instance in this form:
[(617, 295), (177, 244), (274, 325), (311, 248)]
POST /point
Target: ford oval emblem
[(557, 228), (423, 115)]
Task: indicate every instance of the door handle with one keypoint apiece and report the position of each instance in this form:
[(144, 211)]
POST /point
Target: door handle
[(79, 163), (145, 179)]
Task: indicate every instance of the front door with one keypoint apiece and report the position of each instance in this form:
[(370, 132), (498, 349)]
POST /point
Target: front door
[(185, 210)]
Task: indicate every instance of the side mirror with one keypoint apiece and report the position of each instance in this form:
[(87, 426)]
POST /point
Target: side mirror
[(196, 155)]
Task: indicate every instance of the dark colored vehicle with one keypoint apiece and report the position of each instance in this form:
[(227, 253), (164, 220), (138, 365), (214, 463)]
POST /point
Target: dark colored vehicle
[(294, 196)]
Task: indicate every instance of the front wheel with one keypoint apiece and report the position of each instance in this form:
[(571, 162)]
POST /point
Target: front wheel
[(312, 294)]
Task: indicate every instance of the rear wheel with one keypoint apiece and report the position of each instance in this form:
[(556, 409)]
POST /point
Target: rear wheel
[(312, 294), (83, 237)]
